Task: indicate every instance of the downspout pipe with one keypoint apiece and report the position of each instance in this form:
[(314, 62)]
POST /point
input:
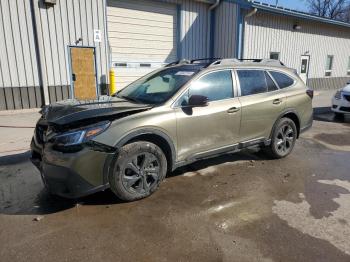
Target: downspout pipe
[(211, 8), (39, 46), (252, 12), (211, 26), (241, 20)]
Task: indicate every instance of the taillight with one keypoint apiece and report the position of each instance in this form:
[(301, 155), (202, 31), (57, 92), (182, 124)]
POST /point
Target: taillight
[(310, 93)]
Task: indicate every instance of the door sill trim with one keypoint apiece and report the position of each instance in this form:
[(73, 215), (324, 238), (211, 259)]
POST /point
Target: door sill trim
[(235, 148)]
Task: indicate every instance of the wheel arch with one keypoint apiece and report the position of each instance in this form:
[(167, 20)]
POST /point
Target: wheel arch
[(156, 137), (291, 114)]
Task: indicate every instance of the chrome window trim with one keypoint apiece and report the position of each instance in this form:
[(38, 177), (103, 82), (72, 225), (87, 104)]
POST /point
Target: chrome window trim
[(281, 72)]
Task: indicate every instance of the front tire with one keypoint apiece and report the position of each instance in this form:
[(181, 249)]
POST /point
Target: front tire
[(283, 138), (138, 170)]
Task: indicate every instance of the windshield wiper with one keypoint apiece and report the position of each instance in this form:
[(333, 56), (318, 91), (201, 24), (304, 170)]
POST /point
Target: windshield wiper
[(131, 99)]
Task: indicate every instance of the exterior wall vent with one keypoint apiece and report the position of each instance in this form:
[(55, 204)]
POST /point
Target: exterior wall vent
[(50, 2)]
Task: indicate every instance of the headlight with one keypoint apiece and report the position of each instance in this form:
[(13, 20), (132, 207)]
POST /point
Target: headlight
[(338, 95), (79, 136)]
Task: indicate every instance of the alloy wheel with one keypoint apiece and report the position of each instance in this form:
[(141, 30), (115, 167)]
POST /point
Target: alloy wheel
[(285, 138), (141, 173)]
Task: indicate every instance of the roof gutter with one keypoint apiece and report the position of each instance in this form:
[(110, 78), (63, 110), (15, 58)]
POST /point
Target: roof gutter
[(297, 14)]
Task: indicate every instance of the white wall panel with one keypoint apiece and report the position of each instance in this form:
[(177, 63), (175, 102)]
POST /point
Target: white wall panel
[(29, 45), (162, 34), (225, 39), (59, 26), (5, 53), (132, 26), (265, 33), (8, 38), (62, 25)]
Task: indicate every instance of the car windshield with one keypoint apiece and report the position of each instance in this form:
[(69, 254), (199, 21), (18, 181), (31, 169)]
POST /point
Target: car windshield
[(157, 87)]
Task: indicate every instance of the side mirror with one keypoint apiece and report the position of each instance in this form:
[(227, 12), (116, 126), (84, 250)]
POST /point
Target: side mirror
[(198, 101)]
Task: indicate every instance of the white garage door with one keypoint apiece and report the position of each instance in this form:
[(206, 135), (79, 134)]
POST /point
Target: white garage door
[(142, 37)]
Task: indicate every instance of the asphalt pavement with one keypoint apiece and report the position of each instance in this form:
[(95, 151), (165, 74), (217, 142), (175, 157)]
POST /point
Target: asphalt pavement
[(242, 207)]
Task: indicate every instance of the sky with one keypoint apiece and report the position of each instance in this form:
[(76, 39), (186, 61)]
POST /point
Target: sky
[(293, 4)]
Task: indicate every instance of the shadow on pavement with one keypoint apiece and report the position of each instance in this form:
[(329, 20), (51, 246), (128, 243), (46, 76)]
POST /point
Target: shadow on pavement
[(14, 159), (246, 155), (36, 200), (325, 114), (44, 203)]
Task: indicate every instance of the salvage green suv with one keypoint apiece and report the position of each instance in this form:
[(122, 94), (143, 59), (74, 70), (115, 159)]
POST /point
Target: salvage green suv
[(186, 111)]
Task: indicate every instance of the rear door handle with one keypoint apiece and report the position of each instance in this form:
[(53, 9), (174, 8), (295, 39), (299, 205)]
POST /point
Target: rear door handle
[(233, 110), (277, 101)]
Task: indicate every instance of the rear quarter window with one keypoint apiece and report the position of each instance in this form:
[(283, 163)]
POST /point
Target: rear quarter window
[(282, 79)]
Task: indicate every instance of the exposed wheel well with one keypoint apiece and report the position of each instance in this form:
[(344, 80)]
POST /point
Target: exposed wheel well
[(159, 141), (295, 119)]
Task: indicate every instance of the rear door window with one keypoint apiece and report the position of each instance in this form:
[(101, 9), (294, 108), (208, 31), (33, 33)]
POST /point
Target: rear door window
[(252, 82), (282, 80)]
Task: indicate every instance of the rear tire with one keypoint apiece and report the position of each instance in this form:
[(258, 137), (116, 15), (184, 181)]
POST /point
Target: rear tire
[(138, 170), (283, 139)]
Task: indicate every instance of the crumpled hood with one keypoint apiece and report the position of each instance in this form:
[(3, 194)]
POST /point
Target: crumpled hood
[(72, 110)]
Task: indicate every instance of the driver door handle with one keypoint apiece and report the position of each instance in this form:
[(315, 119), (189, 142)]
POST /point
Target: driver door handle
[(233, 110), (277, 101)]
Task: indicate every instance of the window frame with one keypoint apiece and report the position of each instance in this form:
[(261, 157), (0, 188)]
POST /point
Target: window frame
[(273, 80), (267, 71), (329, 71), (198, 77), (239, 82), (281, 72), (278, 53)]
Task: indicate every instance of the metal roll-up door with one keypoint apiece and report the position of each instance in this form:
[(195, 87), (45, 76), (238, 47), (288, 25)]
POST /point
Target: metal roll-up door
[(142, 37)]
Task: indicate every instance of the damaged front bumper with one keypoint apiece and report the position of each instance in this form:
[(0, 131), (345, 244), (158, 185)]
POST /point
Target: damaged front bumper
[(73, 175)]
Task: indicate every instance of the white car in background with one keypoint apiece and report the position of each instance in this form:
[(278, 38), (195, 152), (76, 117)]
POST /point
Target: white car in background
[(341, 101)]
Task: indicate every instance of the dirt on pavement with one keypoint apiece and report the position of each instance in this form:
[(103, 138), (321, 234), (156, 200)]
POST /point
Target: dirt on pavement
[(242, 207)]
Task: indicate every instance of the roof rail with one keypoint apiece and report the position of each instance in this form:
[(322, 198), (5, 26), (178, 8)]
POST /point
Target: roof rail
[(255, 60), (179, 62), (226, 61), (230, 61), (193, 61), (272, 62), (205, 59)]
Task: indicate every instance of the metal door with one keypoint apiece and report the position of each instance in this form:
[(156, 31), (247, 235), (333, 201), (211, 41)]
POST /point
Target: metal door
[(83, 73), (304, 69)]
